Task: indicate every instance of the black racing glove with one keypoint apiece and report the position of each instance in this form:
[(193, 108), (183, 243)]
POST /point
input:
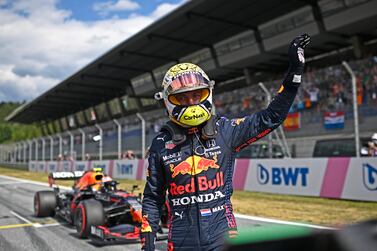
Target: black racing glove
[(296, 60)]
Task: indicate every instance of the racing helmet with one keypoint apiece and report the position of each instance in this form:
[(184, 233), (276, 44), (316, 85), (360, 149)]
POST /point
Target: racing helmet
[(187, 78), (97, 175), (98, 169)]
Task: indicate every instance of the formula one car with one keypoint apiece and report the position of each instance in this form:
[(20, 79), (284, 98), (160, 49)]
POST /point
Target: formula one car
[(109, 214)]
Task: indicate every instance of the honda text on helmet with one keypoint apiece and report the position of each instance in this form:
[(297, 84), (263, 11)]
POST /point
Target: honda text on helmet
[(187, 94)]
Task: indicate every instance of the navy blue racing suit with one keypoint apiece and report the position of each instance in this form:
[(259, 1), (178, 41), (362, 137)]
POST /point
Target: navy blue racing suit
[(197, 174)]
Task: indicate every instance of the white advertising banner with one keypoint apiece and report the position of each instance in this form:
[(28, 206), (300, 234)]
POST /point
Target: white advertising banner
[(41, 165), (32, 166), (52, 166), (125, 169), (144, 169), (104, 164), (65, 166), (286, 176), (361, 180), (81, 165)]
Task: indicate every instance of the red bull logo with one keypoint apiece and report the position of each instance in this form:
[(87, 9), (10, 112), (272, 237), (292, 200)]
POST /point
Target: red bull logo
[(194, 165), (237, 122), (203, 185)]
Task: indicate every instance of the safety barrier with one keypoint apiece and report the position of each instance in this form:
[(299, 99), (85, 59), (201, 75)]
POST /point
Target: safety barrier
[(341, 178)]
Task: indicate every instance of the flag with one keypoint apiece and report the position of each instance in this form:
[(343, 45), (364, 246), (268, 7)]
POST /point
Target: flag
[(292, 121), (333, 120), (205, 212)]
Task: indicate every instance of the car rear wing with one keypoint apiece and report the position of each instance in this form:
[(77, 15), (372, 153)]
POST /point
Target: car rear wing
[(75, 175)]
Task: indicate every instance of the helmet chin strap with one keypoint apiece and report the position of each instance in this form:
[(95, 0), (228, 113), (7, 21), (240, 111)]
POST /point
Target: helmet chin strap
[(209, 130), (178, 133)]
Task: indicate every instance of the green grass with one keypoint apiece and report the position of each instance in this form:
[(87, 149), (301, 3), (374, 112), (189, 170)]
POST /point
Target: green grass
[(329, 212)]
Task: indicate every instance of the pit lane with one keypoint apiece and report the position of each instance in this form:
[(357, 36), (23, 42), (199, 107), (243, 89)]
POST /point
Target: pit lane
[(20, 230)]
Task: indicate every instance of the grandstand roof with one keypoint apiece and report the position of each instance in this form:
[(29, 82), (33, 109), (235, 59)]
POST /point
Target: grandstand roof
[(196, 25)]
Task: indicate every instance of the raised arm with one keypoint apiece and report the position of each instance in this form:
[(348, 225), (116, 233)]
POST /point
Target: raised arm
[(242, 132)]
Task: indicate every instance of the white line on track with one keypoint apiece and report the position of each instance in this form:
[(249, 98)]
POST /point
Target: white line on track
[(37, 225), (21, 218), (34, 224), (30, 181), (23, 180), (11, 182), (241, 216)]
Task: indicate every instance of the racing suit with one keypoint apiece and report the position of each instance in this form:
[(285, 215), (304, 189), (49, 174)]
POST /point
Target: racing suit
[(198, 175)]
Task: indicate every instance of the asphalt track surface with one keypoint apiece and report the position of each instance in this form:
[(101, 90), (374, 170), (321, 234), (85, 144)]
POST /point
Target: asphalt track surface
[(20, 230)]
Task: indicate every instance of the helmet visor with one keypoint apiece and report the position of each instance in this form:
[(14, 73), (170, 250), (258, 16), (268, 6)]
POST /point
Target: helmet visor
[(187, 82), (190, 97)]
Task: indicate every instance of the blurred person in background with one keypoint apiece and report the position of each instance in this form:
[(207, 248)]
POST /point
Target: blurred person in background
[(88, 157), (129, 154), (193, 156), (372, 145), (59, 157)]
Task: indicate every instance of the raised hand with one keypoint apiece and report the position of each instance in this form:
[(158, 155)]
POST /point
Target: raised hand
[(296, 56)]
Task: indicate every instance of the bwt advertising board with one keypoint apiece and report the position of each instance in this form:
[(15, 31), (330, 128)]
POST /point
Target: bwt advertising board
[(32, 166), (361, 180), (104, 164), (342, 178), (65, 166), (125, 169), (52, 166), (81, 165), (296, 176)]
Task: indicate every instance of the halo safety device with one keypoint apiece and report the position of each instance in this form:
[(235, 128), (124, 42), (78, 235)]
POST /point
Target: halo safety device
[(186, 78)]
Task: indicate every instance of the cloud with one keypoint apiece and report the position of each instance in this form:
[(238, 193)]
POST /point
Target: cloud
[(164, 9), (103, 8), (41, 45), (13, 85)]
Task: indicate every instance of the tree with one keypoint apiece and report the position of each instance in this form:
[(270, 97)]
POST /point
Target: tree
[(5, 133)]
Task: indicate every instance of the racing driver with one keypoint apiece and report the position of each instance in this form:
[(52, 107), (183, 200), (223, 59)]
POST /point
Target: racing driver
[(91, 178), (193, 156)]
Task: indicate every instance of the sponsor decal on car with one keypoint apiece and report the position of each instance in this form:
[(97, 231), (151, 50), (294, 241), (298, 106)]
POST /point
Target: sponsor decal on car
[(96, 231), (67, 175)]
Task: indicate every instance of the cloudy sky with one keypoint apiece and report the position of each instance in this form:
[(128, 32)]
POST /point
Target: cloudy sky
[(42, 42)]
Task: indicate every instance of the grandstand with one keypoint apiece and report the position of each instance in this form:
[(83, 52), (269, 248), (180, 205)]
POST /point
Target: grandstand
[(239, 44)]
